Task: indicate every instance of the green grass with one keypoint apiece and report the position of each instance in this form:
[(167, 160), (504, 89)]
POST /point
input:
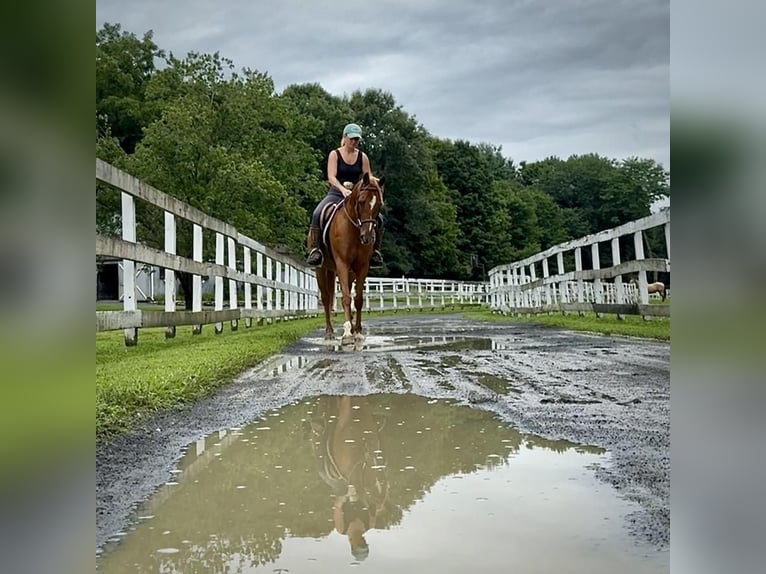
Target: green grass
[(607, 324), (133, 383)]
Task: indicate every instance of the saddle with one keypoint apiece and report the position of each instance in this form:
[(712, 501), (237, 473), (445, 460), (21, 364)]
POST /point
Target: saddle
[(325, 219)]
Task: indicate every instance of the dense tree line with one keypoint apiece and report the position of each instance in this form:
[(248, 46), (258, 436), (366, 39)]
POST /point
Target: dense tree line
[(226, 142)]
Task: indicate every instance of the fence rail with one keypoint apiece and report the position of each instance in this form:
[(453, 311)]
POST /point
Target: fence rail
[(266, 285), (389, 294), (527, 286)]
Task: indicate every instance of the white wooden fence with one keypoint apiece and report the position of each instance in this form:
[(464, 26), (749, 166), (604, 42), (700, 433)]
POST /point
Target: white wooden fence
[(284, 287), (528, 286), (387, 294)]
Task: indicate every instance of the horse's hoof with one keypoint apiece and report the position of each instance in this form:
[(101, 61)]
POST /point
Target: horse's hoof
[(346, 340), (358, 337)]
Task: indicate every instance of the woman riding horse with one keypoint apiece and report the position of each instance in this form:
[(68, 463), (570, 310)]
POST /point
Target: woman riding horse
[(350, 239), (345, 166)]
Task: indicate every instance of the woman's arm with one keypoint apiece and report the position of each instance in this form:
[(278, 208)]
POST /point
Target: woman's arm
[(332, 170), (337, 514)]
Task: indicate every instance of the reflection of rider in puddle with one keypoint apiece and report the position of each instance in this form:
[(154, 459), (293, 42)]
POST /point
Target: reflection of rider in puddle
[(349, 459)]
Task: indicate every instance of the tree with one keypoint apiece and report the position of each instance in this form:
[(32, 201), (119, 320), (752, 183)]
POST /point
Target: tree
[(124, 66), (595, 192), (433, 233), (421, 226), (214, 147), (467, 171), (323, 116)]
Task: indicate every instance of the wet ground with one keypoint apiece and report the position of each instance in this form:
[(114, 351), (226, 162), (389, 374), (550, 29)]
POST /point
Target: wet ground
[(444, 443)]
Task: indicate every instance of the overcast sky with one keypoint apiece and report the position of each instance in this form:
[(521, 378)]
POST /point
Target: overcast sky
[(538, 77)]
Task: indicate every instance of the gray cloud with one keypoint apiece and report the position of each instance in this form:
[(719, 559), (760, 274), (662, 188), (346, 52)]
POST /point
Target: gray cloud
[(540, 78)]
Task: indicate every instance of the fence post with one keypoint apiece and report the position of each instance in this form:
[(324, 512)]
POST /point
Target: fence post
[(532, 292), (247, 261), (302, 306), (667, 239), (261, 275), (278, 292), (129, 267), (233, 295), (269, 290), (420, 294), (619, 289), (512, 291), (407, 289), (563, 295), (643, 293), (219, 281), (578, 272), (294, 282), (367, 304), (170, 275), (197, 279), (597, 293), (442, 285), (395, 290)]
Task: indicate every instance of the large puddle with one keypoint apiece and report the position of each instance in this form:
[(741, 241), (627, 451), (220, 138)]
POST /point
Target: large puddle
[(385, 483)]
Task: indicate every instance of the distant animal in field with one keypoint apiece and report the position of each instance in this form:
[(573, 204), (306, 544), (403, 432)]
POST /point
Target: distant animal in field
[(656, 287)]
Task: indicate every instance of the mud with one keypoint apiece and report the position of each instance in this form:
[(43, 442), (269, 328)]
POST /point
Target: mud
[(605, 391)]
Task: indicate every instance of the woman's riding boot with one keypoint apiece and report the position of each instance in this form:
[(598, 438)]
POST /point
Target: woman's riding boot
[(315, 253), (376, 260)]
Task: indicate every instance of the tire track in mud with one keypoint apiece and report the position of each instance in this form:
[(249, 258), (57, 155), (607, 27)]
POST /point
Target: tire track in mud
[(604, 391)]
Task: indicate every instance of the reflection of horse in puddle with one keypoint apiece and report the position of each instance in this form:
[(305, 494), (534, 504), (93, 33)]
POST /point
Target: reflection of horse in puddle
[(349, 458)]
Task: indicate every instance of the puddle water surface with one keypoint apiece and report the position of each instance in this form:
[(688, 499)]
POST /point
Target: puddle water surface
[(386, 483)]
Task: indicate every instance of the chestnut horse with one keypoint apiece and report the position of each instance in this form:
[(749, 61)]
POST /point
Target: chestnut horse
[(347, 253)]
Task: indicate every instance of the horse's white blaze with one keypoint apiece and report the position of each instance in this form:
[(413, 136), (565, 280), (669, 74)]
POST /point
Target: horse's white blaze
[(373, 201)]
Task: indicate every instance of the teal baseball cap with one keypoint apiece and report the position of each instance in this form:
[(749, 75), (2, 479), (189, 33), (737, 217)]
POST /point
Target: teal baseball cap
[(352, 131)]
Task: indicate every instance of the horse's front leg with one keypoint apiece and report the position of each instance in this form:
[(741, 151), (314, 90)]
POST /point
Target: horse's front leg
[(345, 289), (326, 280), (358, 304)]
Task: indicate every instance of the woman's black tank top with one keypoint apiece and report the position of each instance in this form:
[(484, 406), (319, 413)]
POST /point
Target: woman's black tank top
[(346, 172)]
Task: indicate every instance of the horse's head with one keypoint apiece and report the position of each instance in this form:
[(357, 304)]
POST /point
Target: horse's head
[(366, 199)]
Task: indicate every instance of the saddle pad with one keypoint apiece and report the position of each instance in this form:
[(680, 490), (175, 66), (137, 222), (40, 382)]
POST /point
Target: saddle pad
[(325, 218)]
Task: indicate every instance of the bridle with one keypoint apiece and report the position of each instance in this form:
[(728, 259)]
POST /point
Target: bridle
[(358, 221)]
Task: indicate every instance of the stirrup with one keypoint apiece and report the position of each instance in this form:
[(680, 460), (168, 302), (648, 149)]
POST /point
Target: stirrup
[(376, 261), (315, 257)]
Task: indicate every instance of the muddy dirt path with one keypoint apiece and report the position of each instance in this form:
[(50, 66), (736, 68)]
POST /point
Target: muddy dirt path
[(594, 390)]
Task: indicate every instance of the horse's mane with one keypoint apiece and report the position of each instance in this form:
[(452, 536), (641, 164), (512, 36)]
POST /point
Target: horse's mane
[(373, 179)]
